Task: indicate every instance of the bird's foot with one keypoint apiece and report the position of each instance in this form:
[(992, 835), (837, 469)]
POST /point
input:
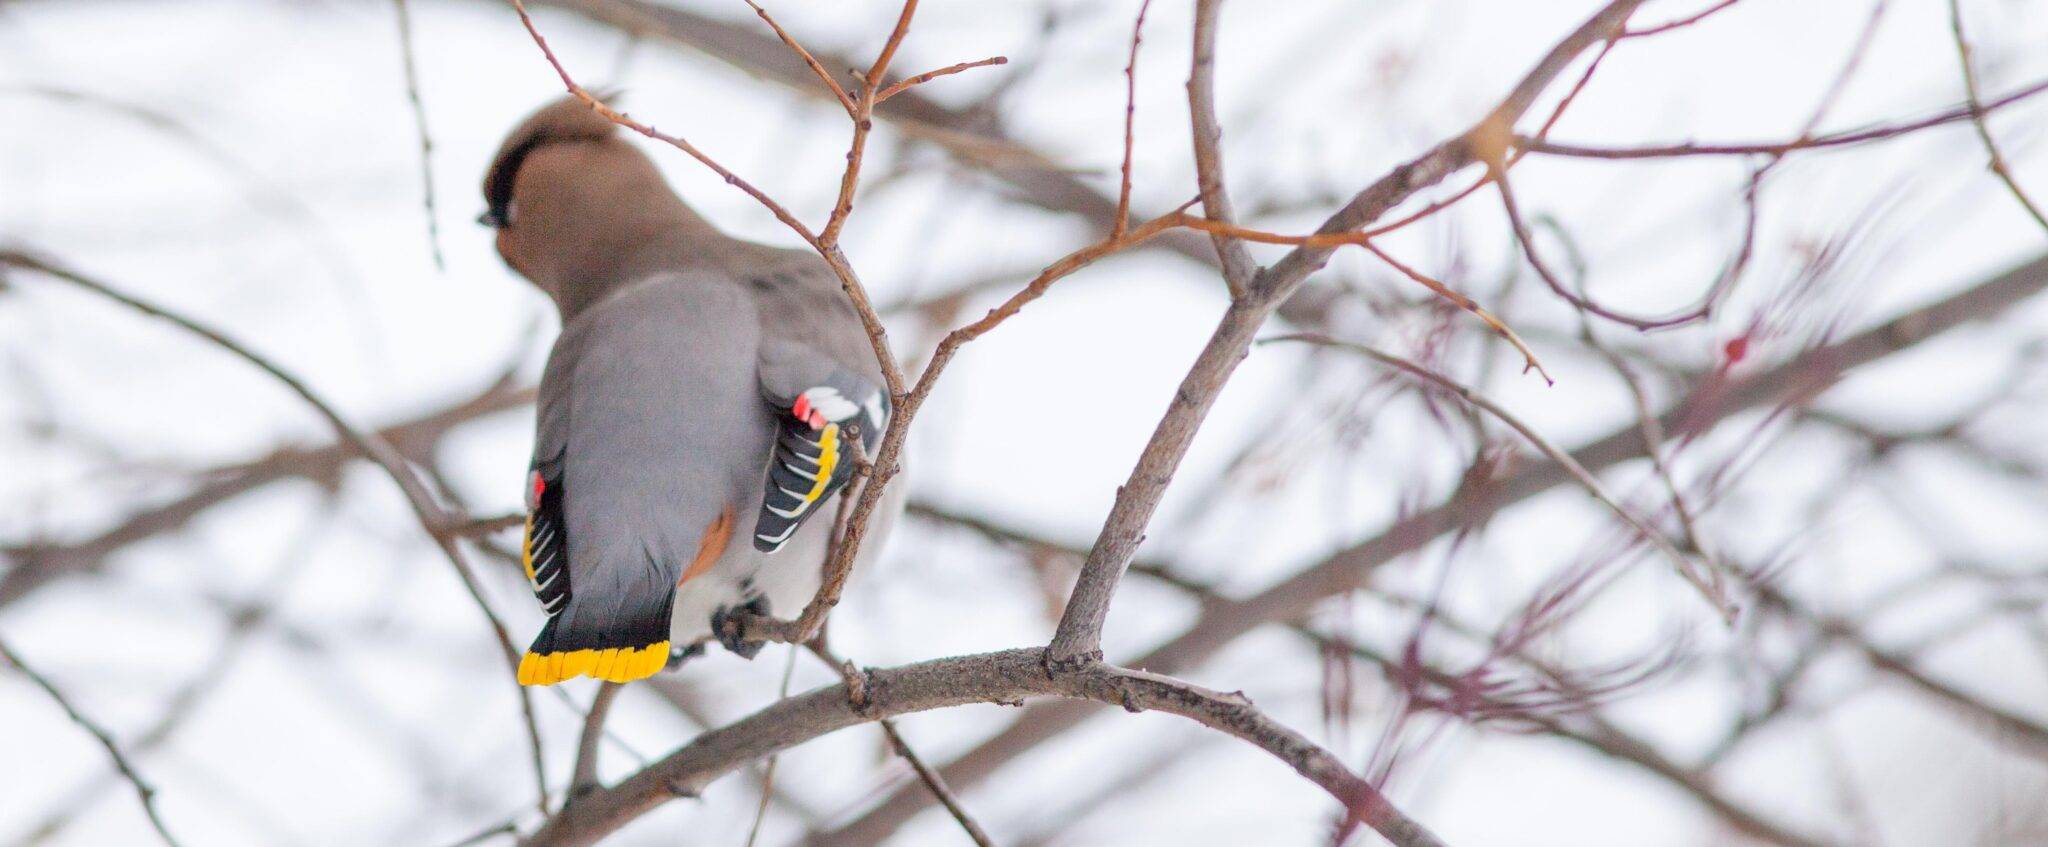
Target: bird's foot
[(728, 624)]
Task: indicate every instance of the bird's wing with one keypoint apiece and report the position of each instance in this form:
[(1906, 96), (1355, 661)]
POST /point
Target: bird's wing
[(651, 433), (818, 374)]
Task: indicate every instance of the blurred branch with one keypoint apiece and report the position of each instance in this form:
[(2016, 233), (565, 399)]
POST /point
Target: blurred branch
[(584, 777), (35, 564), (430, 515), (935, 784), (419, 120), (2010, 725), (143, 790)]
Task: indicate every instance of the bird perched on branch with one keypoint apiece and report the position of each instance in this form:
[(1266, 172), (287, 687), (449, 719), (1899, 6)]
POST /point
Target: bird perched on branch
[(702, 408)]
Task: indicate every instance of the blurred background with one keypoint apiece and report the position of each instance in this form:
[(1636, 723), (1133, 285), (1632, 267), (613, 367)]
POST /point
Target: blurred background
[(258, 620)]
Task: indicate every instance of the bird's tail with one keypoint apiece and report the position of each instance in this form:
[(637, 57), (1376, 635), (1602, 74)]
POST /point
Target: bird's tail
[(621, 651)]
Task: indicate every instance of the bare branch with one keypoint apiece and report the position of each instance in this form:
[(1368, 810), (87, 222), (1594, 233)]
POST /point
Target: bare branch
[(1752, 148), (419, 120), (1207, 133), (143, 790), (1123, 193), (825, 76), (1998, 166), (928, 76), (1003, 677), (935, 784)]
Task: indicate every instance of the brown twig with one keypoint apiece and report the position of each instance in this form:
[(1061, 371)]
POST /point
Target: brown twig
[(1206, 132), (928, 76), (768, 770), (143, 790), (825, 76), (935, 784), (1998, 165), (419, 120), (1678, 23), (1123, 192), (838, 569)]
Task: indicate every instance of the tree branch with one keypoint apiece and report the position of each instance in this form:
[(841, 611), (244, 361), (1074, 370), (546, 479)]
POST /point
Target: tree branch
[(143, 790), (1004, 677)]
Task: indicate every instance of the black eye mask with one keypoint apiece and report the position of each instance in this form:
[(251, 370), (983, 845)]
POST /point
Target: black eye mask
[(498, 189)]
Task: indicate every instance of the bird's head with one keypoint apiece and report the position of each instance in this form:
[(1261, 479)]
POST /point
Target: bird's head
[(571, 199)]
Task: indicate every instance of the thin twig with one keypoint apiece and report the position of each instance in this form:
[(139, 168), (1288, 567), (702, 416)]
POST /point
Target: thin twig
[(825, 76), (928, 76), (1123, 193), (143, 790), (1686, 21), (936, 784), (419, 120), (768, 770), (1847, 138), (856, 682), (1998, 165)]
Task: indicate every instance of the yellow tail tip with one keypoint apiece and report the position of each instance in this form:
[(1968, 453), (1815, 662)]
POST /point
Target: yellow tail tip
[(613, 664)]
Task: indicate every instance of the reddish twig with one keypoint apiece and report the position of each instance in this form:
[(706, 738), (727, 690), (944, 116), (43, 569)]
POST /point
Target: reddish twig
[(928, 76), (1679, 23), (1123, 193), (1840, 139)]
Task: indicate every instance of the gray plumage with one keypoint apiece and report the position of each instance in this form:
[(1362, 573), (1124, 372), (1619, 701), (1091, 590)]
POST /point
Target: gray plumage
[(699, 385)]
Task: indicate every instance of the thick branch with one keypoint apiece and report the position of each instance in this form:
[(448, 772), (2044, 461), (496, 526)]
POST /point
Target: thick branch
[(1005, 677)]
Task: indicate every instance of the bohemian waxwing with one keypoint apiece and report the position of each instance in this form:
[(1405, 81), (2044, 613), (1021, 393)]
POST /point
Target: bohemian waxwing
[(696, 415)]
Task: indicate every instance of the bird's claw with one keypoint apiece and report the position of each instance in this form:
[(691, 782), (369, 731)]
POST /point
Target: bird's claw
[(728, 624)]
